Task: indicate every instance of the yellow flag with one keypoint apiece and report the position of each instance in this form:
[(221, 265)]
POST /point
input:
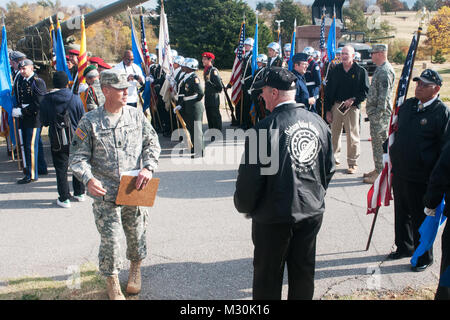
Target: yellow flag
[(82, 58)]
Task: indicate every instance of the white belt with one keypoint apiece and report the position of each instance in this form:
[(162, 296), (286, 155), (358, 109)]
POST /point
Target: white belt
[(190, 97), (312, 83)]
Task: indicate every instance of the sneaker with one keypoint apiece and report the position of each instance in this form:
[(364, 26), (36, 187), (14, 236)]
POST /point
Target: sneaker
[(80, 198), (64, 204), (352, 169)]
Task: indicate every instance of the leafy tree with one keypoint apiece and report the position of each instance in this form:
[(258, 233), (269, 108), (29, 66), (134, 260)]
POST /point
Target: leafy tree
[(431, 5), (438, 31), (288, 11), (269, 6), (218, 31)]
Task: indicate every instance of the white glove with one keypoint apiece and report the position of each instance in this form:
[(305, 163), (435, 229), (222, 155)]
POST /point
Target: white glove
[(149, 79), (429, 212), (16, 112), (177, 108), (385, 159)]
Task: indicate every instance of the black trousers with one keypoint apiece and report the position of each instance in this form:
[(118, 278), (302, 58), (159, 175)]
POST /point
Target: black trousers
[(280, 244), (61, 164), (443, 292), (409, 216)]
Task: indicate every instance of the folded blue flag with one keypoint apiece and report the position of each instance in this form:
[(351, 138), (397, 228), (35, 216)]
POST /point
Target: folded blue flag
[(428, 231)]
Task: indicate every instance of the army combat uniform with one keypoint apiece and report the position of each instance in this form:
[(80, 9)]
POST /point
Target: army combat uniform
[(190, 97), (213, 86), (94, 96), (104, 147), (379, 109)]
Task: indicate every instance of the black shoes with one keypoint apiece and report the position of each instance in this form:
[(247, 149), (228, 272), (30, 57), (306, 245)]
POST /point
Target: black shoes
[(399, 255), (26, 180), (422, 267)]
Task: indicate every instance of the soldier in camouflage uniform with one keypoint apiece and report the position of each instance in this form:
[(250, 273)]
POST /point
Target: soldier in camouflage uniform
[(213, 86), (94, 95), (379, 107), (110, 140)]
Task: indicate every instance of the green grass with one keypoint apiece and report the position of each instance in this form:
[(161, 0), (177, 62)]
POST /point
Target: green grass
[(92, 287)]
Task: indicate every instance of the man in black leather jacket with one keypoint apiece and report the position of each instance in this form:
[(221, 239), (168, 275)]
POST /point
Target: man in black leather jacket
[(422, 131), (286, 204)]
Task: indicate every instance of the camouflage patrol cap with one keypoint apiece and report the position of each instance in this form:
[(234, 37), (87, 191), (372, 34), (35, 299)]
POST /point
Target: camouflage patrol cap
[(16, 55), (379, 48), (114, 78)]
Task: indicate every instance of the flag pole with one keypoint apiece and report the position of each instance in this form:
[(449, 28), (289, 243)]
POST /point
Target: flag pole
[(419, 31)]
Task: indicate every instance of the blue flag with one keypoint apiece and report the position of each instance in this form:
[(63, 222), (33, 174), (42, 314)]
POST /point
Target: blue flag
[(254, 67), (428, 231), (137, 53), (290, 64), (61, 62), (331, 43), (6, 101)]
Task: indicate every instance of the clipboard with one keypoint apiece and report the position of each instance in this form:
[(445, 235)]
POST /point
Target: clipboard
[(128, 195)]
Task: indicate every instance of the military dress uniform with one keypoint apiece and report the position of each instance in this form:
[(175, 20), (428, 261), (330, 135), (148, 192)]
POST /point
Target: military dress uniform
[(313, 82), (246, 81), (190, 97), (103, 149), (159, 78), (275, 62), (258, 101), (379, 110), (213, 86), (29, 94)]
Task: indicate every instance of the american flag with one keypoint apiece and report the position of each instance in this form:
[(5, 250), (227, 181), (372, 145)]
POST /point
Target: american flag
[(380, 192), (236, 72), (144, 46), (323, 49)]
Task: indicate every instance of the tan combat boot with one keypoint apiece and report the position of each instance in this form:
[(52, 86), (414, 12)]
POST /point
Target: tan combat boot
[(368, 174), (134, 278), (113, 288), (371, 179)]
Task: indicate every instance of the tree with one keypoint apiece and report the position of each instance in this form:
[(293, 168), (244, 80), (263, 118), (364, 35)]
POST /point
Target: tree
[(438, 31), (390, 5), (288, 11), (431, 5), (268, 6), (218, 31)]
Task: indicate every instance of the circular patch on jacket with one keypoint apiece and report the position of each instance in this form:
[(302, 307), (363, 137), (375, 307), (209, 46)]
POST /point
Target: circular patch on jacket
[(303, 145), (423, 121)]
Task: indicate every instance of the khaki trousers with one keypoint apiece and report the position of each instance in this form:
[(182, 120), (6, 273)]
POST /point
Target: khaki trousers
[(350, 121)]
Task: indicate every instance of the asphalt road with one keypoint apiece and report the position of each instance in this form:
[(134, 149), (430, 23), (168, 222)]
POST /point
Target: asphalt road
[(199, 245)]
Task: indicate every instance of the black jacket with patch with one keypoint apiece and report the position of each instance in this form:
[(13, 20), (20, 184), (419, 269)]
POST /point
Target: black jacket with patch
[(295, 189)]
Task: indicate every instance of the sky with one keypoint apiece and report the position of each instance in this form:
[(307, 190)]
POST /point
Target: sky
[(152, 3)]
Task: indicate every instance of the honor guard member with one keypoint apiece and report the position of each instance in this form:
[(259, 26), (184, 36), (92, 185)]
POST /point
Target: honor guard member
[(247, 79), (300, 62), (287, 54), (213, 87), (273, 51), (258, 101), (159, 77), (29, 92), (190, 103), (423, 129), (178, 62), (109, 141), (313, 78), (286, 201), (316, 56)]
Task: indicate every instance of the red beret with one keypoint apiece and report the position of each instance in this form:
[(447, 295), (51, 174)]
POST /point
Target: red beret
[(208, 55), (74, 52), (96, 60), (104, 65)]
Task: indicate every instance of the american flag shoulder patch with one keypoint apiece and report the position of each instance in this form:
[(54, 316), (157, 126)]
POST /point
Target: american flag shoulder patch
[(80, 133)]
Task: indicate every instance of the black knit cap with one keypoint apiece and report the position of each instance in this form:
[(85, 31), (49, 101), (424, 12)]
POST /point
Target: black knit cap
[(60, 79)]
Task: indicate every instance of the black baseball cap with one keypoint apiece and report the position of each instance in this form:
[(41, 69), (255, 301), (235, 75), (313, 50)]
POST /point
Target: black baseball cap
[(278, 78), (300, 57), (430, 77)]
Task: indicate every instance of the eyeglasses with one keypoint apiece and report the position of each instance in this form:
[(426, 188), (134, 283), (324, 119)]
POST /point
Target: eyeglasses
[(424, 85)]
